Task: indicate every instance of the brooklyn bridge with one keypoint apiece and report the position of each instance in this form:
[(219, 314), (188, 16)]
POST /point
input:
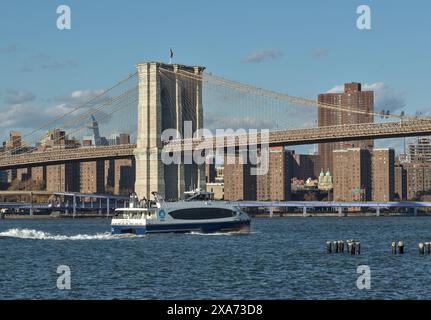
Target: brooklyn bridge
[(162, 96)]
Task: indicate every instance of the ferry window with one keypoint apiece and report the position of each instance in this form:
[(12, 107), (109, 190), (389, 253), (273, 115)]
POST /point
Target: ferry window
[(202, 213)]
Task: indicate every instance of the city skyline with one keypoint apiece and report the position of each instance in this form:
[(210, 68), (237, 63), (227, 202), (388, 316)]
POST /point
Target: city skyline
[(52, 74)]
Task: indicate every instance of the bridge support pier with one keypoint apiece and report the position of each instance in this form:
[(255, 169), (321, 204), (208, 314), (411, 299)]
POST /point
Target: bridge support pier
[(415, 211), (304, 211), (340, 212), (377, 211), (271, 212), (166, 100)]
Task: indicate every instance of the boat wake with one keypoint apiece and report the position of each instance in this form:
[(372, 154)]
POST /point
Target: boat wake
[(41, 235)]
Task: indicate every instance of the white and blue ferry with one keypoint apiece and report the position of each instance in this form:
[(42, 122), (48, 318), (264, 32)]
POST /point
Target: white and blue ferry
[(198, 213)]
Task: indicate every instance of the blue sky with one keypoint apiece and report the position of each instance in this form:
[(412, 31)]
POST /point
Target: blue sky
[(297, 47)]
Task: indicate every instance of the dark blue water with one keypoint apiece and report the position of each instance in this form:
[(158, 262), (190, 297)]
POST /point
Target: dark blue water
[(283, 258)]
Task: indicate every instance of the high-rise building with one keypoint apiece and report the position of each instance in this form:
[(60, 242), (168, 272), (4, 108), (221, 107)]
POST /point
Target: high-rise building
[(124, 176), (109, 176), (92, 176), (118, 138), (275, 185), (338, 113), (113, 139), (420, 150), (352, 174), (14, 144), (363, 175), (62, 177), (124, 138), (400, 181), (239, 184), (382, 173), (210, 170), (418, 179), (306, 166), (55, 137)]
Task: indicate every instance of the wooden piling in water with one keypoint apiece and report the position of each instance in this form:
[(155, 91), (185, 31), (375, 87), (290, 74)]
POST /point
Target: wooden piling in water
[(394, 247), (328, 247), (421, 248), (400, 247)]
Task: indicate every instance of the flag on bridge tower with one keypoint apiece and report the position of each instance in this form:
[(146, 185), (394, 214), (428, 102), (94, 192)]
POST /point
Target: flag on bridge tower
[(171, 54)]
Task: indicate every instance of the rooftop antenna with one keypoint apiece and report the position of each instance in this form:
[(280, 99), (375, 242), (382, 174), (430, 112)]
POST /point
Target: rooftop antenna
[(171, 54)]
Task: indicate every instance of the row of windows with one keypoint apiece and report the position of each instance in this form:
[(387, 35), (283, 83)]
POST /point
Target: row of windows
[(202, 213)]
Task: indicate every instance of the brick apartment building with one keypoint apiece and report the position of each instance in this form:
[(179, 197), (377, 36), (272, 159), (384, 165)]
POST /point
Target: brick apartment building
[(352, 98)]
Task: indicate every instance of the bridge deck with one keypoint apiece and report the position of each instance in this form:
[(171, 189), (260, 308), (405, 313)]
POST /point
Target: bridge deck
[(276, 138)]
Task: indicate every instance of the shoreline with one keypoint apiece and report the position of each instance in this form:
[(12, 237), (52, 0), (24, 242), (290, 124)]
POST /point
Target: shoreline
[(257, 216)]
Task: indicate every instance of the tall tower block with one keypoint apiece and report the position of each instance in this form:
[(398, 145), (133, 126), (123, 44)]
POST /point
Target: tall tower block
[(169, 95)]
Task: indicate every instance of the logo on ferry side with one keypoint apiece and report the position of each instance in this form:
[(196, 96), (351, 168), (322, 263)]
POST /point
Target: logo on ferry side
[(162, 215)]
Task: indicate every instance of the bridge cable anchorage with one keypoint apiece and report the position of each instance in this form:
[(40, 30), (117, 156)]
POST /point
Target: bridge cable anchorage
[(284, 97), (75, 121), (112, 102)]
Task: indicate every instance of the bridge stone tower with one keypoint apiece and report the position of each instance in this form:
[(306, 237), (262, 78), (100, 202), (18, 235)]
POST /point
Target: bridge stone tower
[(166, 100)]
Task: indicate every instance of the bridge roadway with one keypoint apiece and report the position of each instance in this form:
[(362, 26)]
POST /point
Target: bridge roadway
[(417, 127)]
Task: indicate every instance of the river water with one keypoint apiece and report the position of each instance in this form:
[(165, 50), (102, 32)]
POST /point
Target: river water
[(282, 258)]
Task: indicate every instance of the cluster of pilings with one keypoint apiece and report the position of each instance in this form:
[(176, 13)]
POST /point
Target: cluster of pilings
[(397, 247), (353, 247), (424, 248)]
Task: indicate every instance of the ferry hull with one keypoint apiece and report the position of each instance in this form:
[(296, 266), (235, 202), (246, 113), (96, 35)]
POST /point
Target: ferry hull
[(207, 227)]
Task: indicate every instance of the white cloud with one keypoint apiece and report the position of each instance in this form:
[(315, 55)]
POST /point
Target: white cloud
[(17, 97), (263, 55), (339, 88), (84, 95), (26, 115)]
